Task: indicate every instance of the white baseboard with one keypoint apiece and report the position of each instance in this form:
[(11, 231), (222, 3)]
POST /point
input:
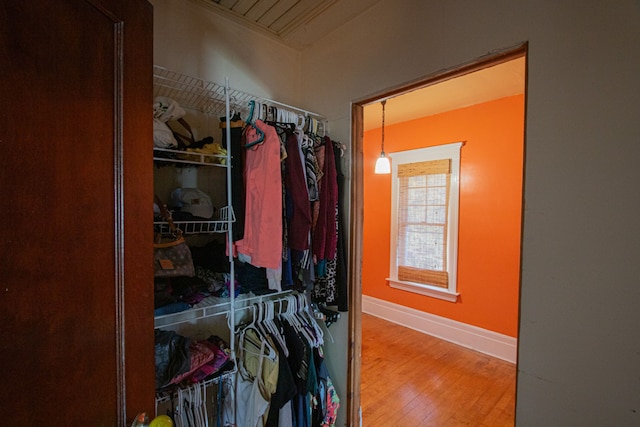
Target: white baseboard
[(488, 342)]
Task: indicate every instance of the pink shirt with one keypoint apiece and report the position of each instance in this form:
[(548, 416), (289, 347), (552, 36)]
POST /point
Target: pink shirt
[(262, 240)]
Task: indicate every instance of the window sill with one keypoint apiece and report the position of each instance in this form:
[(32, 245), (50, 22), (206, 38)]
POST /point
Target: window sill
[(427, 290)]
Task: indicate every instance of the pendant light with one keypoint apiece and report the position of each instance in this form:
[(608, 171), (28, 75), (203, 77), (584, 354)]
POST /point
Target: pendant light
[(382, 164)]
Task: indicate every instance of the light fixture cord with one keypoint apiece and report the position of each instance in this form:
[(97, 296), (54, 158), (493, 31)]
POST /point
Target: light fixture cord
[(383, 104)]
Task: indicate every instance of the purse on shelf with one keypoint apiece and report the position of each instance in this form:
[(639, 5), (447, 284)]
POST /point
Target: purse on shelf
[(171, 256)]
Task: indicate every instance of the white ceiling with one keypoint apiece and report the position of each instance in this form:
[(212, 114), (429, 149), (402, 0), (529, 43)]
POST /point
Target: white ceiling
[(299, 23), (498, 81)]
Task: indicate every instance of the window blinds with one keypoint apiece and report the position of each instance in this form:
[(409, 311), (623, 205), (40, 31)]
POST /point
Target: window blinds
[(422, 221)]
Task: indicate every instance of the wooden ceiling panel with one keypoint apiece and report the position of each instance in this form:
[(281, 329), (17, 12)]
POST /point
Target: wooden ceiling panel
[(242, 7), (281, 11), (227, 4), (274, 16), (300, 14), (259, 9)]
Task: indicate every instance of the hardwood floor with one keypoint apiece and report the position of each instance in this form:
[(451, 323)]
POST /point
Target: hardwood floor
[(412, 379)]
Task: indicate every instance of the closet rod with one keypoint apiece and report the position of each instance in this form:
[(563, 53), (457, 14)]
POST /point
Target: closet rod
[(275, 300), (167, 394), (286, 106)]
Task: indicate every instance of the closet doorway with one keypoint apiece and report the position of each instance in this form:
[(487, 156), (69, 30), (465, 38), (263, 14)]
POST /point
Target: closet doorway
[(370, 290)]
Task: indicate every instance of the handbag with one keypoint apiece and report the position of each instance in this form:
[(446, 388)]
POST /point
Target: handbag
[(171, 257)]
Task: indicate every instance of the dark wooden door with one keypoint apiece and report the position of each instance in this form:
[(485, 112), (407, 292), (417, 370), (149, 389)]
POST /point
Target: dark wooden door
[(76, 302)]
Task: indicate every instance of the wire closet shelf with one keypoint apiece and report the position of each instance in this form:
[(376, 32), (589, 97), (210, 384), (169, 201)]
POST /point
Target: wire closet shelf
[(209, 97)]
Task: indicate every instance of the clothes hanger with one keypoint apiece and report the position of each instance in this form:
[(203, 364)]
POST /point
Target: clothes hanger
[(196, 405), (310, 321), (314, 323), (309, 324), (300, 323), (253, 325), (271, 326), (287, 313), (180, 408), (251, 122), (260, 322), (288, 127), (189, 409), (300, 122), (322, 128), (284, 119), (307, 143), (204, 416), (264, 343), (319, 141), (340, 147)]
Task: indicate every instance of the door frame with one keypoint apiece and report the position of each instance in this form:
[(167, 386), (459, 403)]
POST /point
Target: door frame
[(357, 215)]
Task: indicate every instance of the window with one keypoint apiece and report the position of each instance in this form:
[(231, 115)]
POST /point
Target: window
[(424, 220)]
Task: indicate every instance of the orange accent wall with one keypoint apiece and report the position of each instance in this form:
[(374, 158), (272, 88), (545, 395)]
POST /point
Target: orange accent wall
[(491, 173)]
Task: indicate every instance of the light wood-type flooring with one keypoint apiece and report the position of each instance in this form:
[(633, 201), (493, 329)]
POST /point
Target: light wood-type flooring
[(412, 379)]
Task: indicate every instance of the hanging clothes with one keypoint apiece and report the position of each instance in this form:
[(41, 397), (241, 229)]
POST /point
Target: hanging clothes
[(257, 378), (262, 240), (299, 219), (331, 287), (313, 172), (237, 180), (281, 368), (324, 234), (342, 287), (285, 392), (326, 400), (315, 207), (325, 227), (252, 404)]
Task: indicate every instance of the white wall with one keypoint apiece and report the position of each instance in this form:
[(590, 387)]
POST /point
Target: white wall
[(191, 39), (579, 347)]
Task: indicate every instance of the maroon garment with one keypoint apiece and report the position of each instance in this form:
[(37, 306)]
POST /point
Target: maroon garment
[(324, 234), (299, 225)]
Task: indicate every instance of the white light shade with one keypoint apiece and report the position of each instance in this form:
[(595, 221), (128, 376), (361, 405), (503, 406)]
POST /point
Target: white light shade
[(382, 164)]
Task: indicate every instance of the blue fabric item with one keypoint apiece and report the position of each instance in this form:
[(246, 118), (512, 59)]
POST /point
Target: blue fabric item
[(175, 307), (287, 271), (301, 411), (321, 268)]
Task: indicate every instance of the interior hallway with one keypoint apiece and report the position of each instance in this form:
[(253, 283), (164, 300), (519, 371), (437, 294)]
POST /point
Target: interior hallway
[(412, 379)]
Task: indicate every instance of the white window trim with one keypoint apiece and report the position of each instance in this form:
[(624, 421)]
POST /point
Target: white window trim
[(446, 151)]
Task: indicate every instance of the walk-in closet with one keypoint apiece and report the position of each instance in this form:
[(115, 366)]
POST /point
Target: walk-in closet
[(248, 263)]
